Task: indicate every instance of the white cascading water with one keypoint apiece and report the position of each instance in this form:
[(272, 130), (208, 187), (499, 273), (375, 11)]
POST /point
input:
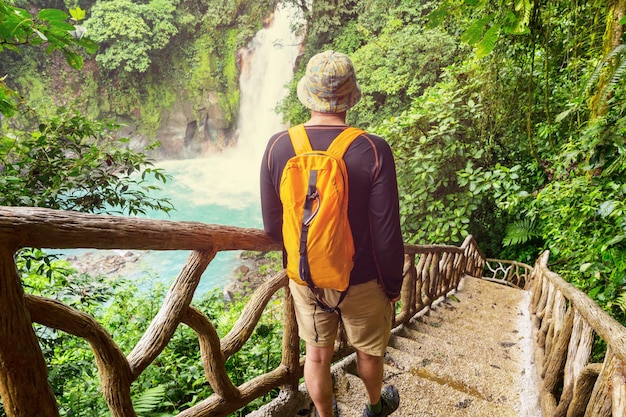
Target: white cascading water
[(231, 177), (224, 188), (270, 58)]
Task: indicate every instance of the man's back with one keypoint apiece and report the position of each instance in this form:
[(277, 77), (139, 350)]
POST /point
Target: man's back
[(372, 207)]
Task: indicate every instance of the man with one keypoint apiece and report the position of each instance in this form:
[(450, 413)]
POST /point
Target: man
[(329, 88)]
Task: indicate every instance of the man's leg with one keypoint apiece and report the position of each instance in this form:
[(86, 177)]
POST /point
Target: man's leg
[(371, 372), (317, 378)]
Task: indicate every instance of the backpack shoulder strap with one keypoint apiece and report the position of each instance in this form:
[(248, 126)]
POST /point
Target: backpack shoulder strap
[(299, 139), (341, 143)]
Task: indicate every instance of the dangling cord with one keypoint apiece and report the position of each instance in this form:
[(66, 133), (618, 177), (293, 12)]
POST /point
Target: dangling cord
[(317, 336)]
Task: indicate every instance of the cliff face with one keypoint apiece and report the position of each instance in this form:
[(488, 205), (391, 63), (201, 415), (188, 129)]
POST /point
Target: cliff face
[(189, 113), (185, 96), (184, 131)]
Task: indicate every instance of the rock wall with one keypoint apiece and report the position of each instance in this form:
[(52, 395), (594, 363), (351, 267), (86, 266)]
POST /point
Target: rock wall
[(185, 131)]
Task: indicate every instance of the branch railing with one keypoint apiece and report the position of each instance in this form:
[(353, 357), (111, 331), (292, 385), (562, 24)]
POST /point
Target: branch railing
[(511, 273), (566, 323), (431, 272)]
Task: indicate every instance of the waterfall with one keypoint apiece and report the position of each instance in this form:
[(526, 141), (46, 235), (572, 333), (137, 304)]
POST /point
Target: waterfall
[(231, 177), (268, 63), (224, 188)]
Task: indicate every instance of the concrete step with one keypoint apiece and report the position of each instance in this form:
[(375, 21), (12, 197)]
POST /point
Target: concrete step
[(469, 356)]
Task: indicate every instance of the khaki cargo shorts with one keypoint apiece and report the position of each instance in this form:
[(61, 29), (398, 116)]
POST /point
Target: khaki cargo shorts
[(366, 313)]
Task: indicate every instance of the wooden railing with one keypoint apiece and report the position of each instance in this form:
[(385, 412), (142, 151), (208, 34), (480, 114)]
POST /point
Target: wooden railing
[(511, 273), (430, 273), (566, 323), (436, 271)]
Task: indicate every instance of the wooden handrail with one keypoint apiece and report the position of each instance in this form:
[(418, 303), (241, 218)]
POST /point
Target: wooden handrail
[(511, 273), (439, 270), (57, 229), (565, 319)]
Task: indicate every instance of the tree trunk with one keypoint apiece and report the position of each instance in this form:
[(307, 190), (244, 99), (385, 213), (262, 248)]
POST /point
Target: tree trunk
[(24, 384), (612, 38)]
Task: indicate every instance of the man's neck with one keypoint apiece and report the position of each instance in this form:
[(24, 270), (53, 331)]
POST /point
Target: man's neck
[(326, 119)]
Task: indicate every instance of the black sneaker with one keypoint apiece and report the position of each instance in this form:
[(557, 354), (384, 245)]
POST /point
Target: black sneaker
[(390, 400)]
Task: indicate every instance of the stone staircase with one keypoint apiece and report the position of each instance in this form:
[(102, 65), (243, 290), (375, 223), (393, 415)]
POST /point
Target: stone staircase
[(471, 355)]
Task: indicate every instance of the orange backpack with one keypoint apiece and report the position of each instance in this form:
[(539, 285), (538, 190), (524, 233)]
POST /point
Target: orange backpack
[(316, 230)]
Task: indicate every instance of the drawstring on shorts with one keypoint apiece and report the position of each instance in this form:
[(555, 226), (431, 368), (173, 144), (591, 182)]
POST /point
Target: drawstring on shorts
[(326, 309)]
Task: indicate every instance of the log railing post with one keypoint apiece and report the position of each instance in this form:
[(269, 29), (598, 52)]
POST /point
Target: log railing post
[(23, 376), (291, 342), (565, 323), (408, 295), (176, 302)]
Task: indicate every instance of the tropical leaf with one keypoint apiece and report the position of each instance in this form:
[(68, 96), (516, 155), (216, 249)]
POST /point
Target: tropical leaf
[(524, 8), (607, 208), (77, 14), (615, 240), (617, 53), (148, 400), (437, 16), (52, 14), (618, 72), (620, 301), (474, 33), (618, 165), (520, 231), (488, 43)]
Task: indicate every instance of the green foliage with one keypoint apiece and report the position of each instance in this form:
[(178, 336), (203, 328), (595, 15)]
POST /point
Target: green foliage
[(9, 99), (612, 67), (397, 68), (520, 231), (487, 23), (129, 33), (150, 114), (152, 54), (328, 18), (49, 29), (583, 218), (175, 381), (72, 163), (148, 400)]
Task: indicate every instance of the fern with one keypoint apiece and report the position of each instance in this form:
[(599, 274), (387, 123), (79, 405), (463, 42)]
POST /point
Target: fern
[(520, 231), (617, 166), (617, 70), (148, 400), (620, 301)]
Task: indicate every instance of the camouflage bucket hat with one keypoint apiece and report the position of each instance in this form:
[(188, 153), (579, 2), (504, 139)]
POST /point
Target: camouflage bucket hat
[(329, 84)]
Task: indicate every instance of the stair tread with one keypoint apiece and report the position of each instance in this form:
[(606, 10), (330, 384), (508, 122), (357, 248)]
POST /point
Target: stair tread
[(466, 358), (427, 392)]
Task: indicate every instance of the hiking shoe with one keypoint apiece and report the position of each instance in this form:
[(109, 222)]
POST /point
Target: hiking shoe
[(390, 400)]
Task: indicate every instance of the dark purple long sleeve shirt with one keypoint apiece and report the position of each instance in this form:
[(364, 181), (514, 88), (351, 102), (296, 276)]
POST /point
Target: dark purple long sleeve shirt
[(373, 206)]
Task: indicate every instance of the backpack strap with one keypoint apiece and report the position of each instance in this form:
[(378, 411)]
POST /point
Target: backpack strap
[(301, 143), (299, 139), (341, 143)]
